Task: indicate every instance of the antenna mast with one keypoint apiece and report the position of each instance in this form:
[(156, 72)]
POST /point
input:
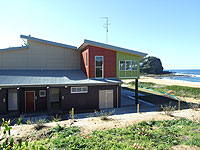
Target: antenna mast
[(106, 26)]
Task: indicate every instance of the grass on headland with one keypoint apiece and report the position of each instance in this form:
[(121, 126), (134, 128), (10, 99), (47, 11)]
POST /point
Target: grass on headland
[(176, 90), (144, 135)]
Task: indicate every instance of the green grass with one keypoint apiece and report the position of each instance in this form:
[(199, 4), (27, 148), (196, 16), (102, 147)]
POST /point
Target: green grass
[(182, 91), (144, 135)]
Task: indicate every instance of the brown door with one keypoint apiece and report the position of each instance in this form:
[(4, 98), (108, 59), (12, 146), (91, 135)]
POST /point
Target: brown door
[(30, 101)]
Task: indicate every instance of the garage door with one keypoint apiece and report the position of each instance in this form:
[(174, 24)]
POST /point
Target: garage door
[(12, 99), (105, 99)]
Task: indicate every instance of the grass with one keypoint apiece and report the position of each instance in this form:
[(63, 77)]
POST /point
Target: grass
[(144, 135), (176, 90)]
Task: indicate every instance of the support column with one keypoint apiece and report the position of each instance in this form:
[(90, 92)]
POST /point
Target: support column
[(136, 91)]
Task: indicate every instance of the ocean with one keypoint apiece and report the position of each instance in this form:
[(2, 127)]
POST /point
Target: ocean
[(189, 75)]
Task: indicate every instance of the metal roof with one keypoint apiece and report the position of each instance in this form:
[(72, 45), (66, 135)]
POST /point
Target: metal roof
[(111, 47), (25, 78), (13, 48), (47, 42)]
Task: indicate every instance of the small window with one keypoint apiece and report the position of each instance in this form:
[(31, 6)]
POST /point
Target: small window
[(79, 89), (42, 93), (134, 65), (122, 65), (128, 65), (86, 59), (54, 94)]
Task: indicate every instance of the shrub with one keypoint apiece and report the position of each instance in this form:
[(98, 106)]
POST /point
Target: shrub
[(57, 118), (104, 114), (19, 120), (168, 109), (40, 124)]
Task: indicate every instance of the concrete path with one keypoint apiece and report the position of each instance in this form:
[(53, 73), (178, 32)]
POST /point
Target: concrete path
[(127, 106)]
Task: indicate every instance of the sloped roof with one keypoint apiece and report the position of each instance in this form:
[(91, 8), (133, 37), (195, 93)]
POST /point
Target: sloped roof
[(111, 47), (47, 42), (13, 48), (25, 78)]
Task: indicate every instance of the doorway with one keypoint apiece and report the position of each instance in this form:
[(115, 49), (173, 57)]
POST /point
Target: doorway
[(30, 101), (105, 99)]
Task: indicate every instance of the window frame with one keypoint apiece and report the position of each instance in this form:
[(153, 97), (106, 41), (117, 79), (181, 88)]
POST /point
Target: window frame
[(99, 67), (131, 69), (44, 95), (81, 89)]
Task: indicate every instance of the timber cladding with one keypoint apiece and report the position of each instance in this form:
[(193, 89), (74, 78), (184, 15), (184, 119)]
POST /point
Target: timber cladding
[(109, 57), (40, 102), (86, 101), (40, 56)]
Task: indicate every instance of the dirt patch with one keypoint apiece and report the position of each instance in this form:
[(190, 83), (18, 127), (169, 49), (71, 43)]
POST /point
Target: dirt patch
[(185, 147), (87, 125)]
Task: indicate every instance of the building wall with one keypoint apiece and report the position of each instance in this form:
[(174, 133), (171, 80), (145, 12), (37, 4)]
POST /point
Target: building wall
[(109, 61), (85, 68), (126, 56), (40, 56), (3, 105), (40, 102), (79, 101), (86, 101)]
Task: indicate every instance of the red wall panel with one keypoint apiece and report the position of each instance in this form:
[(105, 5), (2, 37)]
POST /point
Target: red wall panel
[(109, 61), (85, 68)]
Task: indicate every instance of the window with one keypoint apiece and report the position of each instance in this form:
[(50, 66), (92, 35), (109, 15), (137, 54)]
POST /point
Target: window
[(54, 94), (42, 93), (128, 65), (122, 65), (134, 65), (79, 89), (99, 66), (86, 59), (127, 68)]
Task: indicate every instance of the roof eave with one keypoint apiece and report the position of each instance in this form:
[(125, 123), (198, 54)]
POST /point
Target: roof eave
[(13, 48), (115, 48), (48, 42)]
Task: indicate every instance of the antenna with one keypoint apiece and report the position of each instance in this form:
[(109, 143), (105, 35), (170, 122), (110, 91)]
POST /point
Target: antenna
[(106, 26)]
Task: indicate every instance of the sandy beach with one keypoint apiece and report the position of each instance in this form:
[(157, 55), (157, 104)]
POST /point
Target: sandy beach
[(166, 81)]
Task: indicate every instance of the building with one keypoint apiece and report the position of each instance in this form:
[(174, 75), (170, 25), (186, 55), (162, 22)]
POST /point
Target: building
[(46, 76)]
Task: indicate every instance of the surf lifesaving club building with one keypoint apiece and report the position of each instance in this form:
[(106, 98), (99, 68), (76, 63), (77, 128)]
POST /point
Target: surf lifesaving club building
[(46, 76)]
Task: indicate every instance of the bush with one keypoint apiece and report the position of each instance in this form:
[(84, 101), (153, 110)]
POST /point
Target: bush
[(57, 118), (104, 114), (168, 110), (40, 124)]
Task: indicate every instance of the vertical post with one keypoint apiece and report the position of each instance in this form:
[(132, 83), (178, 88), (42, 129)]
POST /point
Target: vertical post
[(138, 108), (179, 105), (136, 91), (72, 113)]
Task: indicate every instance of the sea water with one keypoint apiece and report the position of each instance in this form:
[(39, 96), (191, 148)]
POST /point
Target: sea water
[(188, 75)]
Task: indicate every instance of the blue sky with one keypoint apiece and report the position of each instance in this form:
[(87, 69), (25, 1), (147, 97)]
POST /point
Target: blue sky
[(169, 30)]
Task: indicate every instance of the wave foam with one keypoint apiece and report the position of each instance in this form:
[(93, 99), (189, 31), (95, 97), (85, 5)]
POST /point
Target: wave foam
[(190, 75)]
